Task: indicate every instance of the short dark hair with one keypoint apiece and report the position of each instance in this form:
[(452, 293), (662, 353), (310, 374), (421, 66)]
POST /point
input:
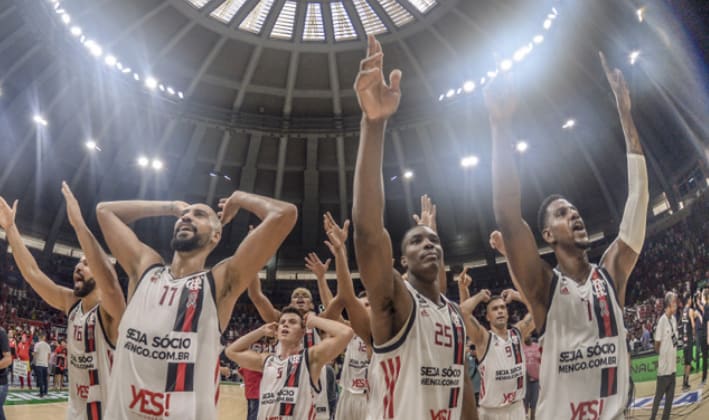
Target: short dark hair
[(403, 238), (493, 297), (293, 310), (542, 212)]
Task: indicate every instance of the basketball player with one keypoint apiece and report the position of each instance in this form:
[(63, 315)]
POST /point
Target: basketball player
[(577, 306), (293, 375), (167, 356), (302, 299), (501, 361), (687, 338), (355, 385), (418, 366), (94, 309)]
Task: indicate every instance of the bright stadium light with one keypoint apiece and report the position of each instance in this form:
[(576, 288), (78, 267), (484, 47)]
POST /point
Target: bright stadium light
[(547, 24), (640, 13), (151, 82), (469, 161), (538, 39), (522, 146), (469, 86), (75, 30), (408, 174), (157, 164), (570, 123), (39, 119), (110, 60), (143, 161), (505, 65), (450, 93), (633, 57)]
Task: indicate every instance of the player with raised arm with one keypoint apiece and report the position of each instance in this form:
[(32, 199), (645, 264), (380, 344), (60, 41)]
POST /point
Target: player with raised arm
[(577, 306), (500, 357), (418, 367), (167, 357), (94, 309), (354, 377), (292, 376)]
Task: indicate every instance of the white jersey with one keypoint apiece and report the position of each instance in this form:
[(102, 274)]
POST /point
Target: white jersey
[(286, 391), (167, 357), (502, 370), (584, 368), (354, 368), (90, 355), (421, 370)]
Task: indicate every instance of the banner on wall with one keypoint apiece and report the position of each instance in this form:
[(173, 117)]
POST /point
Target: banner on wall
[(644, 368)]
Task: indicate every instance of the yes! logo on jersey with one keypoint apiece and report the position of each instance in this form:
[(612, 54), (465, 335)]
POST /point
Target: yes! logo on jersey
[(444, 414), (586, 410), (150, 403)]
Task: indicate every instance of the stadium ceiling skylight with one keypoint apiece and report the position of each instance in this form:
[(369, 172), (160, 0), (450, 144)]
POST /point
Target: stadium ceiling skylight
[(345, 14)]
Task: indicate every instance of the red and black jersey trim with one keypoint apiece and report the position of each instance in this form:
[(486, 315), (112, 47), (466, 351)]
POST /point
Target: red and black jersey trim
[(603, 306), (609, 381), (295, 364), (517, 353), (458, 349), (90, 331), (103, 329), (180, 377), (93, 410), (189, 308)]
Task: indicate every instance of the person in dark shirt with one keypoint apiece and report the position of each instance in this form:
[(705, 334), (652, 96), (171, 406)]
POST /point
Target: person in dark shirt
[(5, 362), (704, 335)]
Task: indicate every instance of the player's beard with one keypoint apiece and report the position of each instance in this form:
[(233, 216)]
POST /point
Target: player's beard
[(86, 289), (186, 245)]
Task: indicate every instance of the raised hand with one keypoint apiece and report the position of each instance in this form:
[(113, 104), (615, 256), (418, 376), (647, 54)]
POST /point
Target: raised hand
[(7, 214), (496, 242), (428, 213), (463, 279), (270, 329), (228, 208), (73, 211), (337, 236), (377, 100), (508, 295), (618, 86), (500, 98), (314, 264)]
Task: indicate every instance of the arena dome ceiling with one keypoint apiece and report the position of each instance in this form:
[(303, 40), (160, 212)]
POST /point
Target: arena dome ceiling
[(220, 96)]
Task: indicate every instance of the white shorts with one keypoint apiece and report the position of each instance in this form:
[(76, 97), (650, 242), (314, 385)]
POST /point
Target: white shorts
[(514, 411), (351, 406)]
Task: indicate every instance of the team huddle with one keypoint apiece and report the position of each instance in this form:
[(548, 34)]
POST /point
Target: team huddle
[(154, 353)]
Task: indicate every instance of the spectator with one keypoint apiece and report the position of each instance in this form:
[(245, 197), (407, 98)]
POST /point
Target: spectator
[(666, 337), (41, 363), (533, 357), (5, 362)]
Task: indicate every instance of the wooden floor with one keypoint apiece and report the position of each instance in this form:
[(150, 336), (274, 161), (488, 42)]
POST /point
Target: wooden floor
[(232, 405)]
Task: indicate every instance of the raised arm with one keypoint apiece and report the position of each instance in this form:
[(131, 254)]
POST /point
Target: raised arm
[(113, 303), (338, 336), (428, 218), (263, 305), (477, 333), (356, 311), (234, 274), (134, 256), (622, 255), (526, 324), (319, 268), (464, 281), (390, 301), (56, 296), (506, 196), (239, 351)]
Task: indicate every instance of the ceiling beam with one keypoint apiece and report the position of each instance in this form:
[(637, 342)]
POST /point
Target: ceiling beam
[(138, 23), (276, 91), (27, 140), (342, 178), (400, 159), (247, 182), (311, 208), (223, 147), (290, 84), (282, 148), (18, 63), (417, 68)]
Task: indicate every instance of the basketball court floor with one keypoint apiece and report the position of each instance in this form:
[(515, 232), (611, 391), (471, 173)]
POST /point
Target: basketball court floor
[(232, 405)]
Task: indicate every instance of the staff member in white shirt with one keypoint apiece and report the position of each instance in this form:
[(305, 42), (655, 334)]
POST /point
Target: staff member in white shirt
[(41, 363), (666, 347)]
